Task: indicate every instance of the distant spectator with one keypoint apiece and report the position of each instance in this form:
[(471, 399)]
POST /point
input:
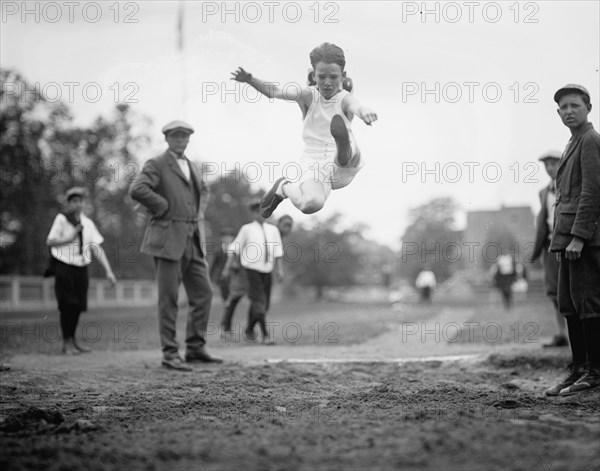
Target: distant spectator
[(505, 274), (426, 284), (73, 239), (219, 260), (544, 226), (285, 225), (237, 288)]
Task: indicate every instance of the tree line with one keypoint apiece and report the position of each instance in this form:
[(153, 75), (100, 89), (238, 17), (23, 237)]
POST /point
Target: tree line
[(43, 153)]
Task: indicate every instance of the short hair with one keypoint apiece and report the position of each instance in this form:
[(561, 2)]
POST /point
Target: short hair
[(328, 53)]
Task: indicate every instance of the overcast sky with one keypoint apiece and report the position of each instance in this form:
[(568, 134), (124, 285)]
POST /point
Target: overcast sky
[(463, 90)]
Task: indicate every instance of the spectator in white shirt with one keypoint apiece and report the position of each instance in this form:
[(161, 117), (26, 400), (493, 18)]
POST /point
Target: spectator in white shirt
[(426, 283), (259, 248)]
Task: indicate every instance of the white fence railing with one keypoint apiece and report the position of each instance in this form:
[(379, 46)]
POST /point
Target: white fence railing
[(28, 293)]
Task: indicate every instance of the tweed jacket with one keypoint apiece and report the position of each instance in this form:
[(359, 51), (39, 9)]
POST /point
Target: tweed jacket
[(170, 197), (577, 211)]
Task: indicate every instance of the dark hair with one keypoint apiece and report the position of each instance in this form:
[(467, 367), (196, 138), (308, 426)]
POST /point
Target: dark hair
[(328, 53), (284, 217)]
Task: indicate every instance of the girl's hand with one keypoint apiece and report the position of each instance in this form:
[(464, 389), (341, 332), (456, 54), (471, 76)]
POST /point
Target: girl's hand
[(240, 75), (367, 115)]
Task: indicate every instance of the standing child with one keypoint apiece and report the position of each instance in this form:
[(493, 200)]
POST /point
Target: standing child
[(330, 158), (73, 240)]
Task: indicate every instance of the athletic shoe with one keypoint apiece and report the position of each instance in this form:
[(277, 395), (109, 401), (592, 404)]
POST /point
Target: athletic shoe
[(590, 380), (576, 372), (271, 200), (340, 133), (557, 341), (175, 364)]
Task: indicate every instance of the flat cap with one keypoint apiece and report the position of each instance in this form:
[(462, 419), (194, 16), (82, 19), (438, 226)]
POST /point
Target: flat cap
[(75, 191), (551, 155), (570, 88), (177, 125)]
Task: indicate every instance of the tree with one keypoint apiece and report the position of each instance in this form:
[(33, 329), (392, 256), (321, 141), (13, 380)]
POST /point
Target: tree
[(325, 255), (28, 195), (43, 154), (430, 239)]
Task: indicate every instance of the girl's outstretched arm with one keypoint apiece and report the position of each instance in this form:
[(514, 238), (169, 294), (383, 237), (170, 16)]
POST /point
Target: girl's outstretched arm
[(351, 106), (269, 89)]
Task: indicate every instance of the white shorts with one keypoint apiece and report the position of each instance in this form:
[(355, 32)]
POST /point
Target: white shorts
[(319, 166)]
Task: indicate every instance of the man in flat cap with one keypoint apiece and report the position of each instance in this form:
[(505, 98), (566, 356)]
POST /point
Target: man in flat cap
[(73, 240), (544, 226), (172, 189), (576, 238)]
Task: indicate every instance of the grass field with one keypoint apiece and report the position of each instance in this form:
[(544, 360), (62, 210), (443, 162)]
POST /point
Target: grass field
[(307, 403)]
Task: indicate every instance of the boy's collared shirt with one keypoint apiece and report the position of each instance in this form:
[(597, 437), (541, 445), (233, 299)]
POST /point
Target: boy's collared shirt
[(258, 245)]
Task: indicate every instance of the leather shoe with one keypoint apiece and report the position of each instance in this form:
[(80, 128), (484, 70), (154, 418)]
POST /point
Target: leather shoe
[(175, 364), (201, 356)]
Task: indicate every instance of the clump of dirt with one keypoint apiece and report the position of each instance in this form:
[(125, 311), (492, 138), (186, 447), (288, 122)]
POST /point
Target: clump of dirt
[(31, 419)]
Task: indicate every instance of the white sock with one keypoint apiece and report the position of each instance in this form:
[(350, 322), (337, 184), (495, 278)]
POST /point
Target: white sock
[(279, 191)]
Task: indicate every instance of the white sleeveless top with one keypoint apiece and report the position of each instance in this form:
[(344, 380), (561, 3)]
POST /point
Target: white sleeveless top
[(316, 133)]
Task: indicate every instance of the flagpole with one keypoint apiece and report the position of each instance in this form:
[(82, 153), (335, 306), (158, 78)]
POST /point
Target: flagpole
[(181, 50)]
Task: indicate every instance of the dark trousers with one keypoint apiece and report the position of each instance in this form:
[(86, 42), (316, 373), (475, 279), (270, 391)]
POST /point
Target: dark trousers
[(230, 305), (70, 287), (224, 288), (69, 318), (426, 294), (551, 265), (504, 284), (579, 284), (192, 269), (259, 292)]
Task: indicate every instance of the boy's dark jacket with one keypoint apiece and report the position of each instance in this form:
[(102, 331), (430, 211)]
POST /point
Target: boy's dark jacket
[(577, 211)]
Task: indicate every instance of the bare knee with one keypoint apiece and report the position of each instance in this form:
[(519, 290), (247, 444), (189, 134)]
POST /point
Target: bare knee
[(311, 205)]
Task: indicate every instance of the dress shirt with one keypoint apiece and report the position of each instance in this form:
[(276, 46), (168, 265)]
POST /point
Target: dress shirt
[(183, 164), (258, 245)]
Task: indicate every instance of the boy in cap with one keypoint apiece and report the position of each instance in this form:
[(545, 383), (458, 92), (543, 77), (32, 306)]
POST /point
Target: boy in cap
[(172, 189), (331, 159), (544, 226), (73, 240), (576, 238)]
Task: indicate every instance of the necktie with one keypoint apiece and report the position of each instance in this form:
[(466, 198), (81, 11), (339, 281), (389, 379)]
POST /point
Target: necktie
[(262, 226)]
